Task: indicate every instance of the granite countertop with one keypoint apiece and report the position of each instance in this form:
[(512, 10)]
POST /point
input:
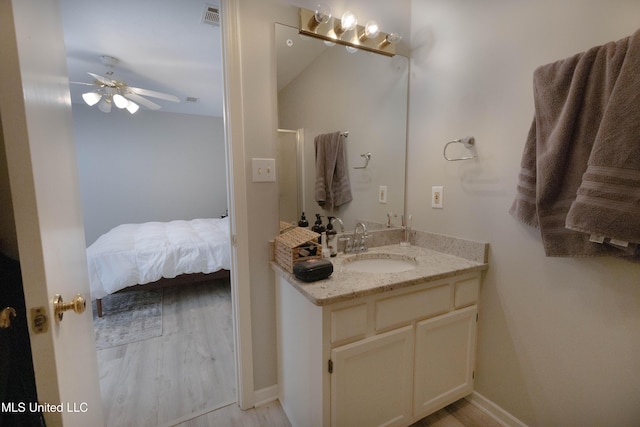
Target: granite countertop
[(343, 285)]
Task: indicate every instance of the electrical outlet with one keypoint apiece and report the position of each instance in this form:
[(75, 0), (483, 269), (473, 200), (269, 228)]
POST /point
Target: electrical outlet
[(436, 197), (382, 194), (264, 170)]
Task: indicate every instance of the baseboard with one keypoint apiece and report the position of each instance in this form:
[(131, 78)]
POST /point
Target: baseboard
[(500, 415), (265, 395)]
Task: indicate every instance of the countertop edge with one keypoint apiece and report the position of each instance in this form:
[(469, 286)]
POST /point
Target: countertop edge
[(299, 285)]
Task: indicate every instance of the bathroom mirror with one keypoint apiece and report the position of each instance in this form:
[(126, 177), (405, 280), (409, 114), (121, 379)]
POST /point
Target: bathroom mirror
[(324, 89)]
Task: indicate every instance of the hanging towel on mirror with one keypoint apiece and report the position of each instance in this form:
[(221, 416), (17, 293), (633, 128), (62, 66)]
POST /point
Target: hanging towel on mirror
[(332, 187), (580, 171)]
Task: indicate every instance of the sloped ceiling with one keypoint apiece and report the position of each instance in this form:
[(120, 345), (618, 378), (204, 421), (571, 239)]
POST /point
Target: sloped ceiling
[(161, 45)]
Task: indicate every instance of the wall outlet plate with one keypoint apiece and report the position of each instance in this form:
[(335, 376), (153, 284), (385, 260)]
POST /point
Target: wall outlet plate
[(436, 197), (263, 170)]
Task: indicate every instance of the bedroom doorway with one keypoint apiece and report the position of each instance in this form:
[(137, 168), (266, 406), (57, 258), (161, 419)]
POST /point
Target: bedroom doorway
[(154, 165)]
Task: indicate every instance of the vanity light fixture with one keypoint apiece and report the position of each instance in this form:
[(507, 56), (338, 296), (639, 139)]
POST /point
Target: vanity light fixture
[(346, 31)]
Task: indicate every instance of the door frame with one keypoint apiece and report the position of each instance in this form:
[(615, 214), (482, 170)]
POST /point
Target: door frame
[(238, 207)]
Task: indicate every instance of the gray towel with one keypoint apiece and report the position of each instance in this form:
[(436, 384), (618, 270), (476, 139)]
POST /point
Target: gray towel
[(585, 132), (332, 187)]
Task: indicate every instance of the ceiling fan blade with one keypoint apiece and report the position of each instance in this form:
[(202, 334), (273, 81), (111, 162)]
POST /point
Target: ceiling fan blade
[(102, 79), (153, 93), (142, 101), (82, 83)]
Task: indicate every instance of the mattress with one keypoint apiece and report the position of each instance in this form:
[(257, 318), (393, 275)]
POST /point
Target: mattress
[(133, 254)]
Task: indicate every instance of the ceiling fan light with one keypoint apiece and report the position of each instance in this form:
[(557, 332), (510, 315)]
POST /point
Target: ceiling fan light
[(132, 107), (91, 98), (105, 105), (120, 101)]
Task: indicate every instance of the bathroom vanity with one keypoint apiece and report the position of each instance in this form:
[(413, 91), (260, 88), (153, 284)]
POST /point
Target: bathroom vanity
[(366, 347)]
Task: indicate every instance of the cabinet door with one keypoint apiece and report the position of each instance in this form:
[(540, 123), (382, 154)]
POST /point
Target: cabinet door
[(371, 380), (445, 358)]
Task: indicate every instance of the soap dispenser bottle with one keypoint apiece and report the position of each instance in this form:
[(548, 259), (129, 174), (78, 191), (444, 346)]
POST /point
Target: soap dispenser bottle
[(332, 238), (318, 227), (303, 221)]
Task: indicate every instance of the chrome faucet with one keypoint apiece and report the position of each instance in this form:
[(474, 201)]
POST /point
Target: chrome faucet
[(359, 242), (335, 218)]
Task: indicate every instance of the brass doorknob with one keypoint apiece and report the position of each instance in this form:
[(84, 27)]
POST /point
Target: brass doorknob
[(6, 315), (77, 304)]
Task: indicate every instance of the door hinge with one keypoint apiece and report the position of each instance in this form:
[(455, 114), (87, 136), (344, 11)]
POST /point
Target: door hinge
[(330, 366), (473, 375), (234, 242), (476, 317)]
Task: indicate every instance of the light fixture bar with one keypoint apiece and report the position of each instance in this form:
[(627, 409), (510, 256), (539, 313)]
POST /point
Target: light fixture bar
[(355, 38)]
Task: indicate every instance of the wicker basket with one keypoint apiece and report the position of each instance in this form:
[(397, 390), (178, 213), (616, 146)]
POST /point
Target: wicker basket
[(287, 226), (296, 245)]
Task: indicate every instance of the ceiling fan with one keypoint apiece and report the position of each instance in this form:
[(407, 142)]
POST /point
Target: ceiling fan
[(111, 92)]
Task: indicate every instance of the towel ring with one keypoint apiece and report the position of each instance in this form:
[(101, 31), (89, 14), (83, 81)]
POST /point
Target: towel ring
[(367, 157), (468, 142)]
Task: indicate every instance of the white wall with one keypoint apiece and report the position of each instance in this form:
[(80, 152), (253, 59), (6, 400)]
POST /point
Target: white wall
[(559, 338), (152, 166), (257, 41)]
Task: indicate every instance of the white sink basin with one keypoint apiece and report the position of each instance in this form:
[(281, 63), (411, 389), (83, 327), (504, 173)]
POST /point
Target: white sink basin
[(379, 263)]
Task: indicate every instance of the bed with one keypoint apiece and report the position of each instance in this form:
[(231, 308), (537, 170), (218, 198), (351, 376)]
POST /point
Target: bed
[(158, 254)]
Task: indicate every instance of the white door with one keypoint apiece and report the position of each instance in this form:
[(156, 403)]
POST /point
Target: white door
[(371, 380), (35, 108)]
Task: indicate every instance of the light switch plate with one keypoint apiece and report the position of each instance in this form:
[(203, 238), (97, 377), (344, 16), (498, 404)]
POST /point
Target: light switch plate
[(436, 197), (264, 170), (382, 194)]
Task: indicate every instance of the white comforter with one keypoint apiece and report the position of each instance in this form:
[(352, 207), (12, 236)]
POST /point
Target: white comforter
[(131, 254)]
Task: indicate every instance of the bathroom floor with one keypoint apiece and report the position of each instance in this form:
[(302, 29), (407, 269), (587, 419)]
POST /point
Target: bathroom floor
[(458, 414)]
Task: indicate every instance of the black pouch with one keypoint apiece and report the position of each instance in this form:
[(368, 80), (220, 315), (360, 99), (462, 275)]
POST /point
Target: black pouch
[(313, 269)]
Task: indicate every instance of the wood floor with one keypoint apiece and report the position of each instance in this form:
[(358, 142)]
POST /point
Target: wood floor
[(458, 414), (186, 377), (189, 370)]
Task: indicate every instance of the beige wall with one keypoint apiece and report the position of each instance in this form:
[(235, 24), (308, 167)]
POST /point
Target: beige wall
[(559, 338)]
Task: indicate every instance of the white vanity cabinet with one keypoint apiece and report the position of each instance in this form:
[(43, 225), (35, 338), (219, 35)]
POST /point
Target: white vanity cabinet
[(387, 358)]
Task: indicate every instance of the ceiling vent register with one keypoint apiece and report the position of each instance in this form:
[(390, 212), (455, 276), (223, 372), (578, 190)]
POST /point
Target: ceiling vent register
[(211, 15)]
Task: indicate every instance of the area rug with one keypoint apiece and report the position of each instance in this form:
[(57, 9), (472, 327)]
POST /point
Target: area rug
[(127, 318)]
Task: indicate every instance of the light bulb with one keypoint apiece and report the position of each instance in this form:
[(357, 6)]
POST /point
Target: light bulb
[(322, 14), (371, 30), (348, 21), (120, 101), (392, 38), (91, 98), (132, 107), (105, 105)]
